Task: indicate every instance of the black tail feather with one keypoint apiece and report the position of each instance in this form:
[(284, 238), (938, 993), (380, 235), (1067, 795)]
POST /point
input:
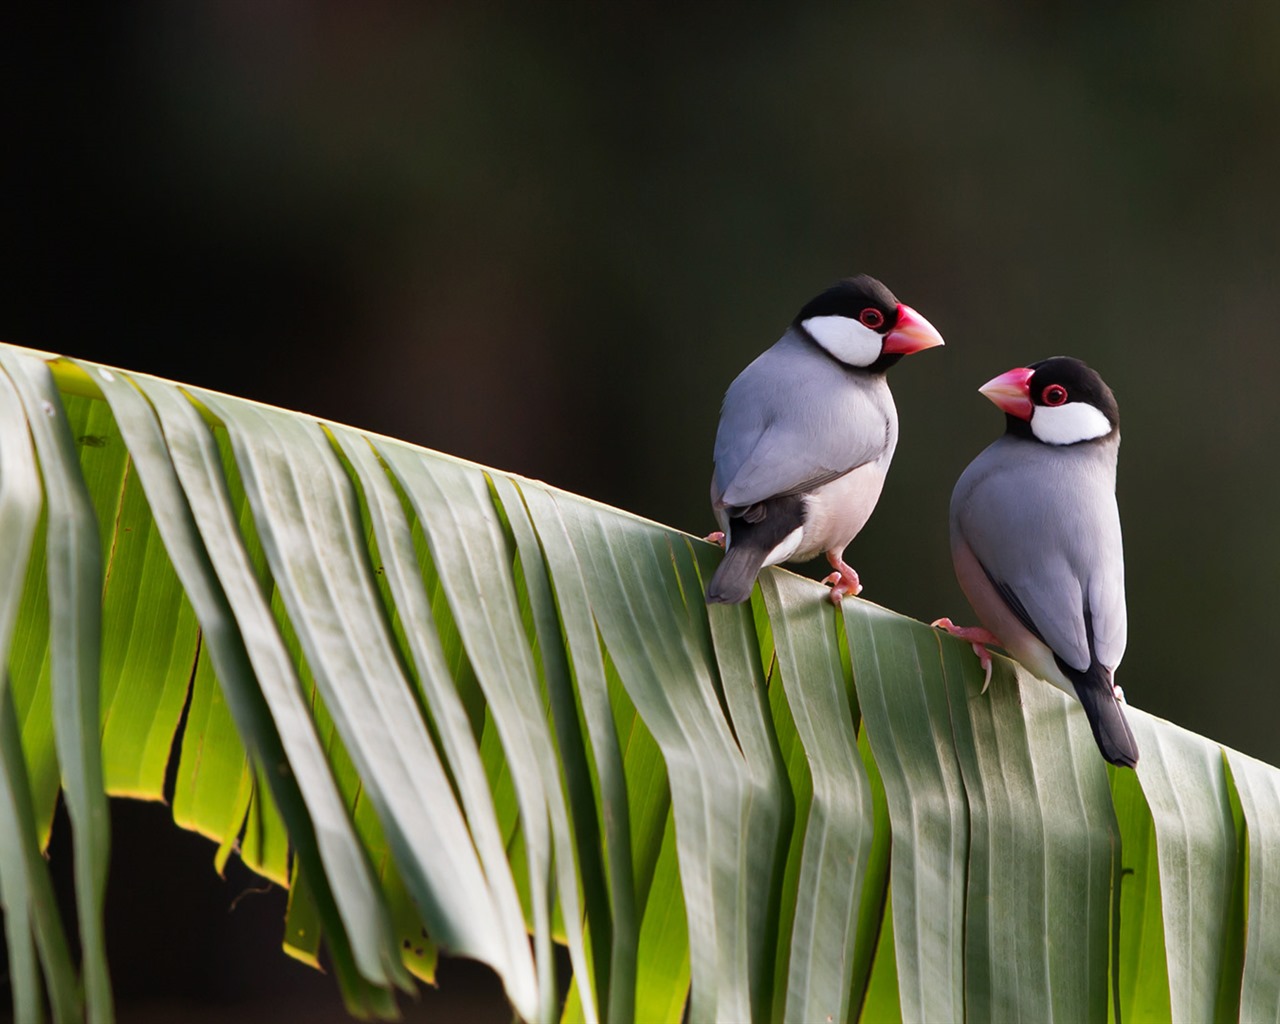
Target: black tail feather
[(1106, 715), (736, 575), (752, 533)]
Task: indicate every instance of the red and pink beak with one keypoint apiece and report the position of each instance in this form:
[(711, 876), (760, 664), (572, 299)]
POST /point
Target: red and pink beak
[(1011, 391), (912, 333)]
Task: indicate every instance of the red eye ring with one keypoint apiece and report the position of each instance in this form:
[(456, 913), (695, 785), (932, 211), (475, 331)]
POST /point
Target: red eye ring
[(871, 317), (1054, 394)]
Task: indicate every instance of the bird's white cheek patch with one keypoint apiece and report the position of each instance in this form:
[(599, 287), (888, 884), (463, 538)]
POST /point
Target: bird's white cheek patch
[(845, 339), (1068, 424)]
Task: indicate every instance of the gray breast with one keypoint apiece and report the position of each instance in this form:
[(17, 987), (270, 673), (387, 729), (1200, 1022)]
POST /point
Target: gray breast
[(794, 419), (1044, 521)]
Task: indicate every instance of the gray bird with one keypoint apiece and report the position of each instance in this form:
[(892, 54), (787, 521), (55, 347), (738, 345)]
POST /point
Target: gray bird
[(1035, 537), (806, 434)]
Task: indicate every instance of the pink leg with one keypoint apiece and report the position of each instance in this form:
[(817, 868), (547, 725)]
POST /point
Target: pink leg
[(715, 538), (843, 581), (977, 637)]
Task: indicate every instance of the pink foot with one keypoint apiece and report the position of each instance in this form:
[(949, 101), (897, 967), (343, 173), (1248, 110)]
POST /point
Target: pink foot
[(715, 538), (977, 637), (843, 581)]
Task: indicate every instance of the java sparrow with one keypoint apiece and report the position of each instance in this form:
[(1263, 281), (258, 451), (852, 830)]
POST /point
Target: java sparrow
[(806, 434), (1035, 537)]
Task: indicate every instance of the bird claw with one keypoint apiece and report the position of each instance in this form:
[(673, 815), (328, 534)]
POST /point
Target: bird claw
[(841, 585), (843, 581), (978, 638), (984, 659), (715, 537)]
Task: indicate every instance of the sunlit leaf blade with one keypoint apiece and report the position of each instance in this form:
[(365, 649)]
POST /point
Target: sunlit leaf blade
[(149, 632), (656, 634), (592, 693), (30, 913), (838, 827), (1006, 971), (874, 916), (908, 720), (792, 752), (1258, 786), (400, 564), (15, 888), (181, 472), (213, 783), (571, 1012), (19, 511), (419, 954), (662, 975), (302, 924), (767, 823), (148, 629), (31, 684), (303, 506), (1230, 979), (656, 874), (576, 850), (1042, 844), (470, 552), (1140, 973), (1201, 887), (74, 562), (1081, 844), (882, 1004), (264, 844), (648, 792), (468, 705)]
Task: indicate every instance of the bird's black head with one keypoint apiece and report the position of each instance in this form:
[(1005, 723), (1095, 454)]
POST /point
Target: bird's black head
[(859, 298), (1058, 401), (860, 323)]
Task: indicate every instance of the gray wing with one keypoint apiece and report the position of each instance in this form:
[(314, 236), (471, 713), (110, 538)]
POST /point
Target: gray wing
[(1045, 527), (793, 420)]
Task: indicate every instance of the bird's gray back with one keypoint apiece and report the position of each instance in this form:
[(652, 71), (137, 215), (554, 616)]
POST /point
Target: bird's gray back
[(1044, 523), (795, 418)]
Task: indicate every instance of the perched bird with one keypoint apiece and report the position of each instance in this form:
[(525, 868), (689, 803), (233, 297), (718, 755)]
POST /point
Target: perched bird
[(806, 434), (1035, 537)]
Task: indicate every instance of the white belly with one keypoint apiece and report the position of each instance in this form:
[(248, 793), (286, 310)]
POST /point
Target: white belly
[(837, 511)]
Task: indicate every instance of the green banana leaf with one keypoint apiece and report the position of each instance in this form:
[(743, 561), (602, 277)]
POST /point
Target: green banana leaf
[(454, 709)]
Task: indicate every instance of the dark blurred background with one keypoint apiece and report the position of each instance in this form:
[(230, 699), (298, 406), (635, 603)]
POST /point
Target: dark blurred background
[(546, 237)]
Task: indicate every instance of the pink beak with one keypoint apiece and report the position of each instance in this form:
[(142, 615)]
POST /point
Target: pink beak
[(912, 333), (1011, 391)]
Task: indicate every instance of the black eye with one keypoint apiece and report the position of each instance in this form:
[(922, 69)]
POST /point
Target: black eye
[(871, 317), (1054, 394)]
